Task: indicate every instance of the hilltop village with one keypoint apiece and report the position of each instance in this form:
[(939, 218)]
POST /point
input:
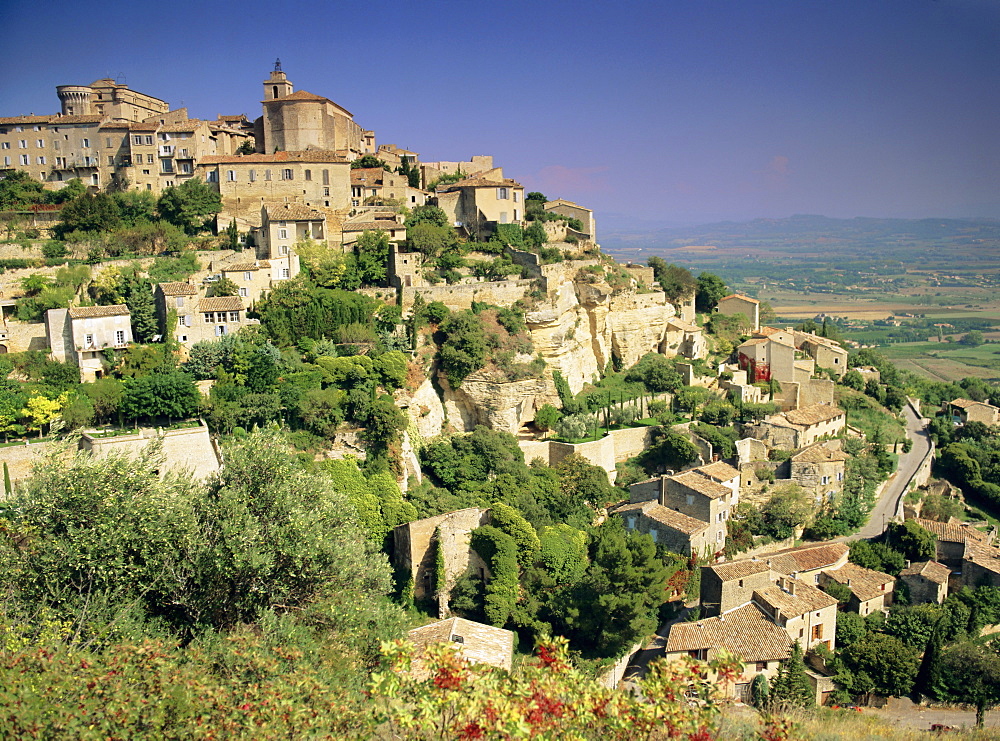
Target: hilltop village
[(528, 438)]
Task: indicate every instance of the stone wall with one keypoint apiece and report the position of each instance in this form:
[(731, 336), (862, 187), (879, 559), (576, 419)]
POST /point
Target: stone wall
[(27, 336), (613, 676), (615, 447), (500, 293), (188, 449), (20, 459)]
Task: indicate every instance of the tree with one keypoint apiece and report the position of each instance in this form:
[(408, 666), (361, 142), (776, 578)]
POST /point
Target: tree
[(142, 309), (224, 287), (676, 282), (788, 508), (915, 542), (233, 237), (972, 338), (427, 214), (372, 255), (710, 289), (970, 674), (431, 240), (791, 687), (463, 349), (73, 188), (853, 379), (247, 146), (366, 161), (891, 664), (89, 213), (547, 417), (169, 394), (535, 235), (19, 190), (42, 410), (189, 206)]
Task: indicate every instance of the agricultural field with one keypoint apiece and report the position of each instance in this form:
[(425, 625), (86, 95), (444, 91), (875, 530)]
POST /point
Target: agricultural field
[(942, 361)]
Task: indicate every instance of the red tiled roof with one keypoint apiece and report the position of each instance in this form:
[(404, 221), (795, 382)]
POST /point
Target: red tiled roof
[(88, 312), (865, 584), (745, 631)]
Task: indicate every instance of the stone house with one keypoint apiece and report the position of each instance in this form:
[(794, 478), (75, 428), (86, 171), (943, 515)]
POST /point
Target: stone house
[(871, 591), (826, 352), (966, 410), (674, 530), (477, 643), (725, 586), (696, 494), (478, 204), (807, 614), (808, 561), (431, 171), (252, 278), (952, 537), (574, 211), (737, 303), (376, 185), (283, 225), (744, 631), (404, 268), (685, 339), (773, 358), (391, 224), (185, 449), (980, 565), (417, 544), (926, 581), (215, 317), (799, 428), (179, 297), (820, 468), (82, 333)]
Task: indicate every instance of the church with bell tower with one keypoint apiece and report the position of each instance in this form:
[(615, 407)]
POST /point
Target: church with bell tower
[(299, 121)]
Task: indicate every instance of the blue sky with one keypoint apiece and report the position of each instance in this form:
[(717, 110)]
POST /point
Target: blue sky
[(673, 112)]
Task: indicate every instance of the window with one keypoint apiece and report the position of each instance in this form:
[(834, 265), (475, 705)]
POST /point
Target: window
[(247, 276), (283, 249), (836, 361), (220, 330), (286, 174), (24, 159), (5, 145), (149, 140), (18, 128), (22, 143), (326, 191), (502, 194), (166, 166), (88, 340), (761, 666), (86, 143), (184, 338), (212, 177), (186, 167), (111, 160), (326, 178), (631, 523), (209, 317), (182, 320), (231, 176), (243, 293), (267, 174), (817, 632), (107, 142), (515, 214), (179, 301), (653, 534), (40, 143), (840, 475), (253, 176), (234, 316), (690, 499), (119, 337), (355, 202), (149, 159), (282, 234), (137, 140), (309, 175), (87, 161), (6, 161), (41, 160), (284, 272)]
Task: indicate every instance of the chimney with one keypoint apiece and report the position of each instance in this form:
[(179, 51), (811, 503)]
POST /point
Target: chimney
[(848, 581), (907, 563)]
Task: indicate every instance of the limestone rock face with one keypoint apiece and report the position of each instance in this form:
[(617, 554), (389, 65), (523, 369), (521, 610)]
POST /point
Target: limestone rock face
[(425, 409), (499, 405)]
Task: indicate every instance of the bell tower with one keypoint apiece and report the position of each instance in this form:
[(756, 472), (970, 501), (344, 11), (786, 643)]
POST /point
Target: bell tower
[(278, 85)]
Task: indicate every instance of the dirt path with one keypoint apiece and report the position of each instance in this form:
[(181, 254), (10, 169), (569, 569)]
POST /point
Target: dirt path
[(903, 712)]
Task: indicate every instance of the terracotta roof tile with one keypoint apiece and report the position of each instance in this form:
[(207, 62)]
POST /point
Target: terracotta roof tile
[(13, 120), (478, 643), (178, 289), (739, 569), (292, 212), (305, 155), (476, 182), (719, 471), (221, 303), (814, 414), (819, 453), (741, 297), (89, 312), (865, 584), (985, 556), (806, 598), (930, 570), (745, 631), (951, 532), (243, 267), (700, 483), (807, 558), (666, 516), (361, 226), (367, 176)]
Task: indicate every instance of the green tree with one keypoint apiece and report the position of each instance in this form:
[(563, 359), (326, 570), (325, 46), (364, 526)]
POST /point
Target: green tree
[(372, 256), (970, 674), (972, 338), (189, 206), (142, 308), (427, 214), (890, 663), (170, 394), (676, 282), (710, 289), (366, 161), (224, 287), (89, 213), (853, 379), (247, 146), (791, 687), (431, 240), (19, 190), (233, 237), (463, 349), (547, 417)]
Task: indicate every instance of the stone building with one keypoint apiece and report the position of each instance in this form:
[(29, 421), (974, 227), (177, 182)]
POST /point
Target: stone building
[(684, 339), (109, 99), (572, 210), (253, 278), (826, 352), (215, 317), (296, 121), (431, 171), (808, 561), (980, 565), (476, 643), (185, 450), (744, 631), (728, 585), (799, 428), (737, 303), (82, 334), (820, 468), (478, 204), (926, 581), (181, 298), (418, 543), (377, 186), (966, 410), (871, 591), (372, 221), (952, 537), (675, 531), (283, 225), (807, 614)]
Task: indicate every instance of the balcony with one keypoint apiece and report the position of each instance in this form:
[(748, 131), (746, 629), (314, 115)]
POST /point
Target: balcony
[(184, 154), (166, 151)]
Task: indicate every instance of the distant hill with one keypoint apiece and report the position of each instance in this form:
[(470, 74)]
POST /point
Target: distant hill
[(808, 234)]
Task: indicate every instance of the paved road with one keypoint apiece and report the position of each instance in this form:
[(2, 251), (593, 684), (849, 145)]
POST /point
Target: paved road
[(885, 508)]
